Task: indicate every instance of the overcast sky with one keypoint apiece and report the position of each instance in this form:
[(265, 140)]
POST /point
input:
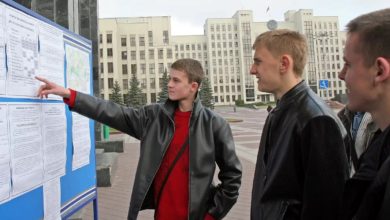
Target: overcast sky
[(189, 16)]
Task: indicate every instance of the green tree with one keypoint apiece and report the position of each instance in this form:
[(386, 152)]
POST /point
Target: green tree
[(163, 94), (206, 94), (116, 93), (134, 96)]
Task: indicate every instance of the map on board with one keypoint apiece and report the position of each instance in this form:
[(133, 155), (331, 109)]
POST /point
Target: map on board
[(78, 69)]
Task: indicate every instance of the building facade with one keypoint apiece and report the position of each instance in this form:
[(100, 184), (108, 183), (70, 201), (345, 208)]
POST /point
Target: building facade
[(145, 47)]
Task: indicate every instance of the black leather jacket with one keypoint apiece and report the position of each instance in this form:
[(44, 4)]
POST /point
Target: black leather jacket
[(302, 164), (210, 143)]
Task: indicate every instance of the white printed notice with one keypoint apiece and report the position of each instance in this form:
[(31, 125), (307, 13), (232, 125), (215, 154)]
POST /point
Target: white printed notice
[(22, 53), (51, 55), (3, 73), (26, 151), (54, 140), (78, 69), (5, 169), (81, 141), (5, 182), (4, 135), (52, 199)]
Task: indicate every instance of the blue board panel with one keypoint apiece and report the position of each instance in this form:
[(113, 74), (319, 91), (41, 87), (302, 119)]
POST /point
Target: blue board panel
[(77, 187)]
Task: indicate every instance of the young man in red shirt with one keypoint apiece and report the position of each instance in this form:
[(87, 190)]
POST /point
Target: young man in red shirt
[(181, 141)]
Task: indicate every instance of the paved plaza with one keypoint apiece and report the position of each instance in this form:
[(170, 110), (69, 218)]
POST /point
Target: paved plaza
[(113, 202)]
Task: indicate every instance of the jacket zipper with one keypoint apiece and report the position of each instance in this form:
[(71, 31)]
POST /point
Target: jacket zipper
[(154, 175)]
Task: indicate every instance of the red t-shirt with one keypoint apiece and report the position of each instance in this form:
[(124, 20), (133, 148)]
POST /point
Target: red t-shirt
[(174, 197)]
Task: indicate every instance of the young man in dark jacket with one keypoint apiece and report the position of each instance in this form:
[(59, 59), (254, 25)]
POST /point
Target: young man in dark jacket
[(302, 163), (181, 141), (366, 73)]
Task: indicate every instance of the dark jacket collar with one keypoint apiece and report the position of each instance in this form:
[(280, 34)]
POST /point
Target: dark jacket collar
[(288, 97), (171, 106)]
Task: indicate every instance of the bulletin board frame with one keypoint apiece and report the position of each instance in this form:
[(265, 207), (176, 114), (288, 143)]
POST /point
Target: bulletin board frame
[(77, 187)]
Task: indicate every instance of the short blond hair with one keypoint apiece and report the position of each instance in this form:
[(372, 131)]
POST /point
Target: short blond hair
[(283, 41)]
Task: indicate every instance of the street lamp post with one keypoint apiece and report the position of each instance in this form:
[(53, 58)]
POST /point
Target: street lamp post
[(317, 55)]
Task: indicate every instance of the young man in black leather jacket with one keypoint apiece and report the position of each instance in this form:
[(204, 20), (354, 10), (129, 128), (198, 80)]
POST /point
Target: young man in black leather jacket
[(302, 163)]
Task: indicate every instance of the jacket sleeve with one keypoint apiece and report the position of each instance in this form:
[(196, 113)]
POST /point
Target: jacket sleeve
[(226, 193), (325, 168), (125, 119)]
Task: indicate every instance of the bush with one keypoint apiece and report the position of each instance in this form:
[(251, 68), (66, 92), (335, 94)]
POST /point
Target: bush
[(239, 102)]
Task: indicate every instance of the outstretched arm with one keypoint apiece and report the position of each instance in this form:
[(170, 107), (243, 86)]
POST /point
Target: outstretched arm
[(51, 88)]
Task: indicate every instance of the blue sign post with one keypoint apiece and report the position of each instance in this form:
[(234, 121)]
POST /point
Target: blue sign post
[(324, 84)]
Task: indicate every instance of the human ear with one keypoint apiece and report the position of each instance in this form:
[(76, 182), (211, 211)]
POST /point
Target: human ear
[(383, 69), (195, 86), (285, 63)]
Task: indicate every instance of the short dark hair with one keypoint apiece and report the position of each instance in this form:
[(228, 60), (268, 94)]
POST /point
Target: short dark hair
[(283, 41), (191, 67), (373, 31)]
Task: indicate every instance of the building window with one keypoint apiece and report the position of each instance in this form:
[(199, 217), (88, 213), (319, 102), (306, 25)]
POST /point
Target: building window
[(169, 53), (101, 53), (150, 38), (133, 55), (141, 41), (153, 97), (143, 83), (109, 52), (132, 40), (133, 69), (160, 53), (109, 38), (100, 38), (110, 67), (142, 55), (165, 37), (151, 54), (101, 68), (123, 41), (124, 69), (143, 68), (151, 68), (110, 83), (152, 83), (102, 85), (160, 68), (124, 55), (125, 84)]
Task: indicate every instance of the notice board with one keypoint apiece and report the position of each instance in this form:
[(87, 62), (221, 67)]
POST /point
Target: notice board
[(47, 160)]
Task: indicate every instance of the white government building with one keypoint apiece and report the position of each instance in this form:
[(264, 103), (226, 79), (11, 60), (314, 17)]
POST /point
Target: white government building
[(144, 46)]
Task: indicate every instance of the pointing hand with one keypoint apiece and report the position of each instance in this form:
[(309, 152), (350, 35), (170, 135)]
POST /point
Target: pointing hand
[(51, 88)]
